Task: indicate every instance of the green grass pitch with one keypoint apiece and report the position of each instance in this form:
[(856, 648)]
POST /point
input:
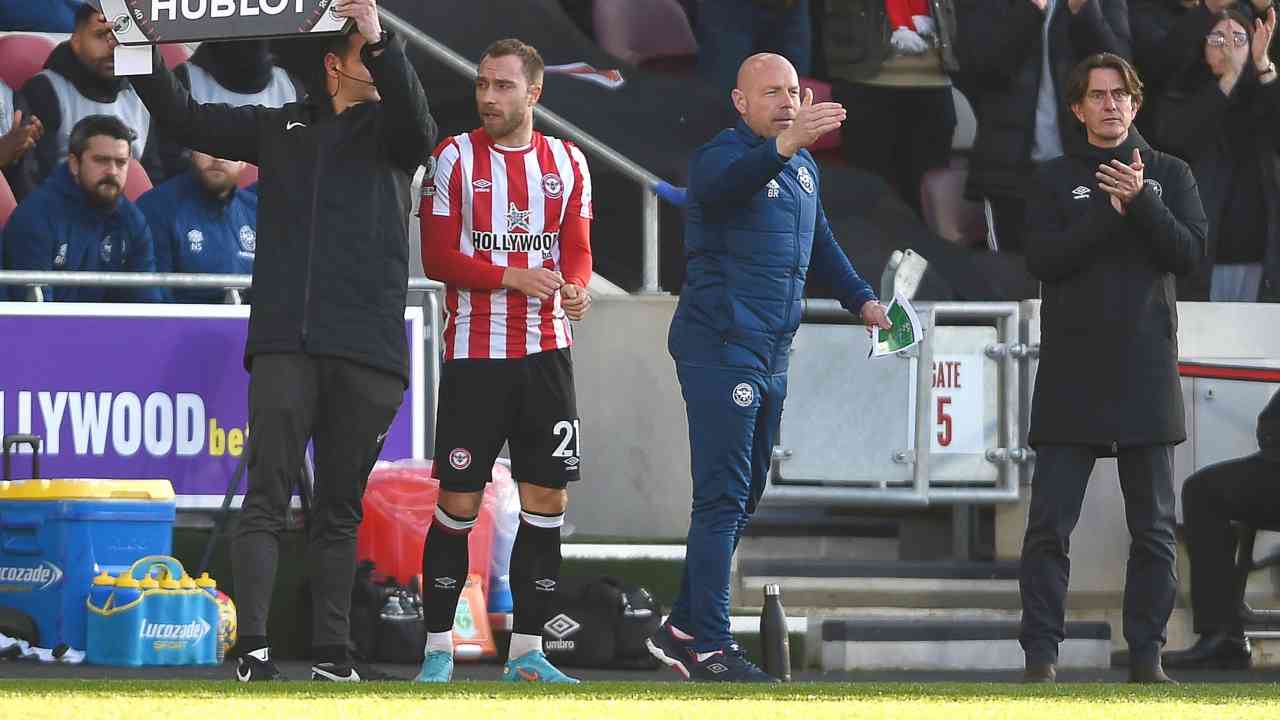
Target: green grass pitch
[(169, 700)]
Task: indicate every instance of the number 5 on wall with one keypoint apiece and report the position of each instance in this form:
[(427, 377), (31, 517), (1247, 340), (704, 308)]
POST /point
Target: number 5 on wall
[(944, 422)]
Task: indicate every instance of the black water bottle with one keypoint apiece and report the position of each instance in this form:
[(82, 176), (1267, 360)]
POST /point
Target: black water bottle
[(775, 643)]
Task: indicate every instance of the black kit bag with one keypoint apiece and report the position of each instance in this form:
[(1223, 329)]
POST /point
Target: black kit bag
[(601, 623)]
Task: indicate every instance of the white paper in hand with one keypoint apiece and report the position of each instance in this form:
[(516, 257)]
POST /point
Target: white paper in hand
[(133, 60), (905, 333)]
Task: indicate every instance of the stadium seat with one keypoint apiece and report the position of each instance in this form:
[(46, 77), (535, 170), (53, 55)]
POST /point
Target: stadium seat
[(639, 31), (7, 202), (1246, 563), (946, 210), (249, 176), (138, 183), (174, 54), (22, 56), (821, 93)]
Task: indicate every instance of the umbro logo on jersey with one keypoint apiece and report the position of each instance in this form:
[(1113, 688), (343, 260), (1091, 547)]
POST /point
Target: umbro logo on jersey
[(545, 584), (1081, 193), (446, 583), (481, 185), (717, 668)]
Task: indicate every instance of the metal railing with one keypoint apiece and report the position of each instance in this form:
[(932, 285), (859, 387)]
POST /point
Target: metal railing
[(35, 281), (1010, 457), (589, 144)]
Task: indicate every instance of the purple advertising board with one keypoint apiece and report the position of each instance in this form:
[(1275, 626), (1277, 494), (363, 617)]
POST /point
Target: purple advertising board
[(138, 392)]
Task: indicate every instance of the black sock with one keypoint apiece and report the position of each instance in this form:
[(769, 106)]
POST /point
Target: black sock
[(336, 654), (535, 571), (248, 643), (444, 569)]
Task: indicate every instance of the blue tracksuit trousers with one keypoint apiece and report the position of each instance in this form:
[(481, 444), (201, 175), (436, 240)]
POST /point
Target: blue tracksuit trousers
[(733, 426)]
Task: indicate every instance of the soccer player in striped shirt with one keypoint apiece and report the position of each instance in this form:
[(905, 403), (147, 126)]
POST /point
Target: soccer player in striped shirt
[(506, 227)]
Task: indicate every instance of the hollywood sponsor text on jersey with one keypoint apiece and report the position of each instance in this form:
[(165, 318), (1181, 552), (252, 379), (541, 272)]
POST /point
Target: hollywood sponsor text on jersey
[(29, 578), (515, 242), (193, 631), (509, 208)]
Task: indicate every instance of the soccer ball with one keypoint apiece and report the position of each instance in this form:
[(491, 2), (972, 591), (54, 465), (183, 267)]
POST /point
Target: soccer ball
[(227, 628)]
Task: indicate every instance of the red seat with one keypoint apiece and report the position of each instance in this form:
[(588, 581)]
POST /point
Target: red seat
[(22, 56), (946, 210), (821, 93), (249, 176), (637, 31), (7, 202), (138, 181), (174, 54)]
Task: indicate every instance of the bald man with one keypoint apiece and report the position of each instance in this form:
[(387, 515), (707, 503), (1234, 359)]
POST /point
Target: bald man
[(755, 231)]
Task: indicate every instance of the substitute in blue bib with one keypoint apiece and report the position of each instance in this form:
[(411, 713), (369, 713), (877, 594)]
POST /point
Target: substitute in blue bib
[(203, 222), (755, 232)]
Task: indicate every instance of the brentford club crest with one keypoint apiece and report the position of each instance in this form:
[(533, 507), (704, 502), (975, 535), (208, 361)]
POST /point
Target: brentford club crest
[(460, 458), (552, 186)]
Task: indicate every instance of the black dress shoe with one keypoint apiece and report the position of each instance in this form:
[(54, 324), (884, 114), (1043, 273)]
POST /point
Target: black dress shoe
[(1149, 673), (1040, 673), (1216, 651)]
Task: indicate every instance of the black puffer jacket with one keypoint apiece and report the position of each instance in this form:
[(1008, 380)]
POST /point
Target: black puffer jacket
[(332, 266), (1000, 49), (1108, 374)]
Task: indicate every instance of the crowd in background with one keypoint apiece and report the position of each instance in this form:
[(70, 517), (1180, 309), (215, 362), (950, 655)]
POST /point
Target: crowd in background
[(894, 64)]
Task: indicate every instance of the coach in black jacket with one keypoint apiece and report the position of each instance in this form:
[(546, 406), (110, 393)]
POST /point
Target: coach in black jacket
[(326, 350), (1110, 225)]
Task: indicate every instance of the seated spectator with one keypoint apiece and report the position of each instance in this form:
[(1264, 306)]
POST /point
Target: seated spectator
[(48, 16), (79, 80), (729, 31), (1240, 490), (78, 219), (203, 223), (19, 133), (241, 72), (1015, 55), (1223, 119), (889, 62)]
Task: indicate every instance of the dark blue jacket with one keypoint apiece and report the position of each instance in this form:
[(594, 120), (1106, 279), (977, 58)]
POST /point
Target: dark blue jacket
[(755, 229), (51, 16), (55, 228), (198, 233)]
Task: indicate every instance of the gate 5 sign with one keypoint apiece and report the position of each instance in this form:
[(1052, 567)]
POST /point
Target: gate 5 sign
[(958, 404), (146, 22)]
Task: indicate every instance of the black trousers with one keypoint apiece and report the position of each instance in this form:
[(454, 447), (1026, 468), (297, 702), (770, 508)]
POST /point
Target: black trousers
[(345, 408), (898, 133), (1245, 489), (1057, 494)]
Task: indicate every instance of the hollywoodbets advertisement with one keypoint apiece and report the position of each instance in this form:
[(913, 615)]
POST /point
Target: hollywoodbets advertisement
[(147, 22), (140, 393)]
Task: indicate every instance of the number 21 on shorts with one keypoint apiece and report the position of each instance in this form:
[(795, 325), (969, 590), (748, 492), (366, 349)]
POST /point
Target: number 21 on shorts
[(570, 435)]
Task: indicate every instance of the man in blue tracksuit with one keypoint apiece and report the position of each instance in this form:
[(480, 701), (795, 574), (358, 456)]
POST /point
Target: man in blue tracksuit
[(78, 219), (755, 230), (203, 223)]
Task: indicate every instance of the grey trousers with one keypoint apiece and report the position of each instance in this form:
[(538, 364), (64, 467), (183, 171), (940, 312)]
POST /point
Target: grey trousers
[(345, 408)]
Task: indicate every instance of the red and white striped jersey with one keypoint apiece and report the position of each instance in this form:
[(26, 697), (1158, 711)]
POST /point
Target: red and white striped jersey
[(494, 207)]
